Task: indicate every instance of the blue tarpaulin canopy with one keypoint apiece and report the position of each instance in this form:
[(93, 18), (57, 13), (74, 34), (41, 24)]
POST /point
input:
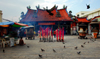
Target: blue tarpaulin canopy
[(6, 23), (13, 24)]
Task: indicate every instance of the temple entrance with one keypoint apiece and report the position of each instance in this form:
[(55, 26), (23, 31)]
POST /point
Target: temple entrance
[(66, 29)]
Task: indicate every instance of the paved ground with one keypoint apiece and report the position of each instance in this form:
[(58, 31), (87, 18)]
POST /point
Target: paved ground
[(91, 50)]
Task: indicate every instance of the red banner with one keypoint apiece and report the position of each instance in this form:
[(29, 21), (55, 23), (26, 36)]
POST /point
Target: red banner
[(63, 34), (60, 34)]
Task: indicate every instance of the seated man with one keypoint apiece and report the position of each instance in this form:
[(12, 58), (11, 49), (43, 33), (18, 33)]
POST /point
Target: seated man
[(21, 42)]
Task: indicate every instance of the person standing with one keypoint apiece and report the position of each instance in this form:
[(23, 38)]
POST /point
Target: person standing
[(18, 32)]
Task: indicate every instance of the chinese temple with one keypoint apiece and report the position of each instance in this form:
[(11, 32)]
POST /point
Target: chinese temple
[(95, 23), (52, 18)]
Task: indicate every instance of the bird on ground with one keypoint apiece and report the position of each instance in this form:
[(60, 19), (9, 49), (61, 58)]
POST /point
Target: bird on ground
[(84, 42), (40, 56), (42, 50), (64, 47), (88, 41), (3, 51), (76, 47), (54, 50), (82, 46), (92, 40), (63, 42), (28, 46), (79, 52)]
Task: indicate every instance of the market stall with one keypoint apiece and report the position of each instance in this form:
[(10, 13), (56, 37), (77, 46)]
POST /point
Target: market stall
[(8, 36)]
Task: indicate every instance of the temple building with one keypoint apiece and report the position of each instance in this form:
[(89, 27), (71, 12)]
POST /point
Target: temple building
[(93, 17), (53, 18)]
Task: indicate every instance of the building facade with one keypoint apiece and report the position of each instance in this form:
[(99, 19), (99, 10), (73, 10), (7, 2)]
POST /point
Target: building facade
[(93, 16), (52, 18)]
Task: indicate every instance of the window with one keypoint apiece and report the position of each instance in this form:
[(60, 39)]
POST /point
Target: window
[(82, 13)]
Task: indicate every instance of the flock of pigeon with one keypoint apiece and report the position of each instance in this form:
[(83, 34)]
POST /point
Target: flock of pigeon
[(79, 52), (64, 47), (42, 50), (83, 46)]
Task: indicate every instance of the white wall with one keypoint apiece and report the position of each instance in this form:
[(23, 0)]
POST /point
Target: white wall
[(95, 14), (99, 12), (90, 16)]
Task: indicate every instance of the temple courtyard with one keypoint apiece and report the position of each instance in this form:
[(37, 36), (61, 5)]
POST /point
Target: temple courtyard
[(91, 49)]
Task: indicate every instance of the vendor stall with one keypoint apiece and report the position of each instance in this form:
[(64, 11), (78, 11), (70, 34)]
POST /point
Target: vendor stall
[(7, 33), (27, 32)]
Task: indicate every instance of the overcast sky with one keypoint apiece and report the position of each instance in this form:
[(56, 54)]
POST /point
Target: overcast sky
[(12, 9)]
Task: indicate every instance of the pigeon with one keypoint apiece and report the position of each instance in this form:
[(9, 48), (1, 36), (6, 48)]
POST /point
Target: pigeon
[(42, 50), (88, 41), (63, 42), (49, 11), (64, 46), (92, 40), (79, 52), (3, 51), (28, 46), (84, 42), (88, 6), (82, 46), (40, 56), (54, 50), (76, 47)]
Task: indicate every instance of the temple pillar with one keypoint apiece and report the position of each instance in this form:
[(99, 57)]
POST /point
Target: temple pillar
[(71, 25), (89, 28), (77, 26)]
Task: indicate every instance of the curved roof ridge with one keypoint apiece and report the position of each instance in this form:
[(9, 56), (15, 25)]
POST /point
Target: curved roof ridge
[(95, 17), (44, 15), (82, 19), (32, 9)]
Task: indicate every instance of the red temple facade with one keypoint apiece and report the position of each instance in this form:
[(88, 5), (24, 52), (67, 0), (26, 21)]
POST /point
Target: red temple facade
[(75, 25), (53, 18)]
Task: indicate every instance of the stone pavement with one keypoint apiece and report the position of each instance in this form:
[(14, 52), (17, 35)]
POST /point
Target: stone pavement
[(91, 50)]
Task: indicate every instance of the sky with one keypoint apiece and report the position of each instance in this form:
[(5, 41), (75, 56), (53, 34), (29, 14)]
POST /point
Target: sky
[(12, 9)]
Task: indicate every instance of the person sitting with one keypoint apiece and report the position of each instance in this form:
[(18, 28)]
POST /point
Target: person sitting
[(21, 42)]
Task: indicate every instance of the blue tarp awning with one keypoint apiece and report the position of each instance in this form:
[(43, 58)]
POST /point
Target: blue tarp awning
[(6, 23), (14, 24)]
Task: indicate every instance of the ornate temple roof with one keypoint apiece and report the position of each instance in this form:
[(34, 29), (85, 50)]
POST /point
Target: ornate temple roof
[(83, 20), (44, 15), (93, 19)]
